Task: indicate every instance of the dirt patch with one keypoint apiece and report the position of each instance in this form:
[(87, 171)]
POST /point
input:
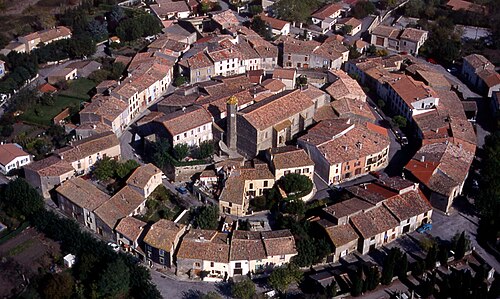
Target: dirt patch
[(23, 257)]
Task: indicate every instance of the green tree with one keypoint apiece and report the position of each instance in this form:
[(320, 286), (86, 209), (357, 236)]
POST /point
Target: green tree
[(331, 290), (255, 9), (20, 198), (399, 121), (114, 280), (297, 184), (373, 278), (244, 289), (181, 151), (461, 246), (295, 10), (105, 168), (180, 80), (125, 168), (431, 258), (206, 149), (281, 278), (160, 152), (403, 267), (207, 217), (205, 7), (346, 29), (388, 269), (58, 286), (362, 9), (262, 28), (357, 283)]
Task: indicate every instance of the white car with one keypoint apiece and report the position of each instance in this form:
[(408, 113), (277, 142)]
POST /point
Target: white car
[(113, 246)]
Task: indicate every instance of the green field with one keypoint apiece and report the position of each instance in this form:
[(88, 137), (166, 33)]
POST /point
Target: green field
[(76, 93)]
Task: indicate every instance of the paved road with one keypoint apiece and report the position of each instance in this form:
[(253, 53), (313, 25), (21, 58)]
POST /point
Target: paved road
[(461, 220), (174, 288)]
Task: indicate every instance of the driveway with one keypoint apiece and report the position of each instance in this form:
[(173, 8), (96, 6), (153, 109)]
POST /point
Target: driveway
[(171, 287)]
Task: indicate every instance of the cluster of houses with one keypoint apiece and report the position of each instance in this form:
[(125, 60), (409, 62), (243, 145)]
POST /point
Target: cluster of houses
[(435, 112), (375, 214), (271, 109), (26, 43)]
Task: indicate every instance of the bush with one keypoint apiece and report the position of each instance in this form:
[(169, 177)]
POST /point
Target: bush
[(297, 184), (179, 81), (181, 151)]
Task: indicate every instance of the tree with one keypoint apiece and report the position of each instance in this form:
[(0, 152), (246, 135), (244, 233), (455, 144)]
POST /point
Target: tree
[(206, 149), (20, 198), (373, 278), (354, 53), (295, 10), (125, 168), (371, 50), (181, 151), (461, 246), (296, 207), (205, 7), (399, 121), (431, 258), (389, 265), (281, 278), (255, 9), (160, 152), (105, 169), (403, 267), (357, 283), (297, 184), (180, 80), (58, 286), (98, 30), (262, 28), (346, 29), (207, 217), (114, 279), (362, 9), (244, 289), (331, 290)]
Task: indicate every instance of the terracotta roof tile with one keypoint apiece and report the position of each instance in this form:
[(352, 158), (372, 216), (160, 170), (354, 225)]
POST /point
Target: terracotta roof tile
[(290, 157), (276, 109), (204, 245), (273, 85), (130, 227), (82, 193), (119, 206), (347, 207), (341, 235), (51, 166), (247, 245), (163, 233), (278, 242), (86, 147), (345, 87), (184, 120), (326, 11), (408, 205), (9, 152), (142, 175), (374, 222)]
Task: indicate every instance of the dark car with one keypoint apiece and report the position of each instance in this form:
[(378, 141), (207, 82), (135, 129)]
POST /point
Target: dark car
[(181, 190)]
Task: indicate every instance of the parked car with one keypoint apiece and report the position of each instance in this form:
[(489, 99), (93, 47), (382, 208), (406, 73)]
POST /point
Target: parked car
[(424, 228), (181, 190), (113, 246)]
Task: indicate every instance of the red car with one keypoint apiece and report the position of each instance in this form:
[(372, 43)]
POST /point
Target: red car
[(431, 60)]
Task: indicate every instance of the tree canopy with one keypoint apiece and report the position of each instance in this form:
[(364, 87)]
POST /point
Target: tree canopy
[(20, 199), (295, 10), (244, 289), (207, 217), (281, 278)]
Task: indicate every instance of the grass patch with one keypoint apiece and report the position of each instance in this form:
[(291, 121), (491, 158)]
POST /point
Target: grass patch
[(21, 247), (14, 233), (76, 93), (161, 204)]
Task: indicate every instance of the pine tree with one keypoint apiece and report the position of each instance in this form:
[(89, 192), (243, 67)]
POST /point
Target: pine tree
[(388, 269), (461, 246), (403, 267), (430, 259), (357, 284)]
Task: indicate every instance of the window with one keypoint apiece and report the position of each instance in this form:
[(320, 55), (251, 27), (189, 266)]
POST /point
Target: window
[(289, 57), (305, 170), (250, 186), (237, 265), (162, 260), (282, 257), (265, 183), (305, 58), (212, 264), (185, 135), (161, 252), (197, 265)]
